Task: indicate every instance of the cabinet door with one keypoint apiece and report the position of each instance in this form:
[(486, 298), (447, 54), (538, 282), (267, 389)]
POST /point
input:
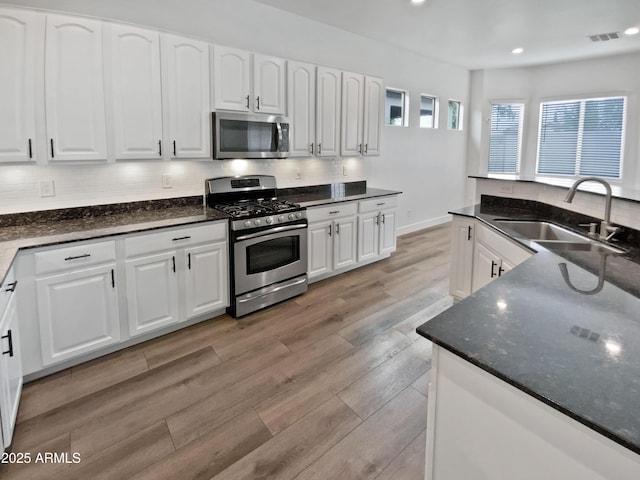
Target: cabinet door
[(137, 102), (74, 89), (388, 232), (352, 113), (345, 242), (10, 370), (368, 236), (206, 279), (269, 76), (187, 92), (231, 79), (320, 242), (77, 313), (302, 109), (485, 266), (19, 33), (328, 102), (373, 108), (152, 292), (462, 237)]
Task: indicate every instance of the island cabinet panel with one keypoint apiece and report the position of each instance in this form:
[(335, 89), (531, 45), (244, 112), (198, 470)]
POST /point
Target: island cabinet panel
[(479, 426), (462, 235)]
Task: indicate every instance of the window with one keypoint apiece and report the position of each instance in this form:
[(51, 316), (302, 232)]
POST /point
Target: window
[(505, 140), (396, 108), (582, 137), (428, 111), (454, 120)]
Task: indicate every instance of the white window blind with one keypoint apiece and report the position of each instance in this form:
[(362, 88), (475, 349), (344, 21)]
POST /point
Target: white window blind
[(582, 137), (505, 140)]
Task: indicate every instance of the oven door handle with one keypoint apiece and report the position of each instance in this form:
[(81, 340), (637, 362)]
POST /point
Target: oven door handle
[(272, 230), (269, 290)]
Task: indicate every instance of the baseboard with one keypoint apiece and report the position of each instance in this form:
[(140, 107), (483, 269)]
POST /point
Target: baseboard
[(414, 227)]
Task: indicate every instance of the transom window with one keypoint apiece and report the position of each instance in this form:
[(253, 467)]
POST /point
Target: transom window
[(505, 140), (582, 137), (428, 111), (396, 108), (454, 119)]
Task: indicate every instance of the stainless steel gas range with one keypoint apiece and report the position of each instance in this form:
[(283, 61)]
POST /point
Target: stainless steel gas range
[(268, 241)]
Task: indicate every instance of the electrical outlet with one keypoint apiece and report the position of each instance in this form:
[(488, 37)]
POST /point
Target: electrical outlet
[(345, 171), (47, 188), (298, 174), (166, 181), (506, 188)]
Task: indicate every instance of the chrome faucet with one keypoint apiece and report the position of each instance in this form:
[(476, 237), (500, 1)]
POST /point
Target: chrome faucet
[(606, 229)]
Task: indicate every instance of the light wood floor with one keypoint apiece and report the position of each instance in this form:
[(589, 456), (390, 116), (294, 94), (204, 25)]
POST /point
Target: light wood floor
[(329, 385)]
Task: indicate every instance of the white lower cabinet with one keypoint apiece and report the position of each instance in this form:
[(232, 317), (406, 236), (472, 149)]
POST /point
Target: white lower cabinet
[(77, 312), (376, 228), (479, 255), (185, 277), (152, 292), (10, 361), (332, 239)]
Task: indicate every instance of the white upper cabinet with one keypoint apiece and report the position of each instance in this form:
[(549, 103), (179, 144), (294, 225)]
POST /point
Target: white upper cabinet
[(314, 110), (373, 108), (231, 79), (187, 93), (247, 82), (361, 114), (352, 113), (269, 82), (137, 102), (329, 98), (75, 110), (301, 82), (20, 32)]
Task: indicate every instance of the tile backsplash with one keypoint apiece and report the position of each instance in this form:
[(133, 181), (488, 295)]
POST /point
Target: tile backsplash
[(80, 185)]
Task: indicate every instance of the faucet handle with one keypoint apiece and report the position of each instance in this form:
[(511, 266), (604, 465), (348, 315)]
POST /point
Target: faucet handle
[(592, 228)]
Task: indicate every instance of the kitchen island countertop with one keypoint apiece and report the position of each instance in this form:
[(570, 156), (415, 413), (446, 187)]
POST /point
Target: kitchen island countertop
[(564, 328)]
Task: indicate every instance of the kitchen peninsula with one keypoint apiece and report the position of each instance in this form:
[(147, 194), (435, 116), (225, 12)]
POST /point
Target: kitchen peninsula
[(537, 375)]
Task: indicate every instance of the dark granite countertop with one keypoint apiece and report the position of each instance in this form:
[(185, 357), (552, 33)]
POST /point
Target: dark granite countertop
[(563, 327), (333, 193), (39, 229)]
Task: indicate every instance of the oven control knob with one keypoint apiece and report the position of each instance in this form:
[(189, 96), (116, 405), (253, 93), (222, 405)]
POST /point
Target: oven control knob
[(257, 222), (247, 223), (291, 216), (269, 220), (281, 218), (298, 215)]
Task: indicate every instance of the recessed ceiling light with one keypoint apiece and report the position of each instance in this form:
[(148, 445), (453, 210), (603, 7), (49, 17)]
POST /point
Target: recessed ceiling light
[(417, 2), (517, 51), (632, 31)]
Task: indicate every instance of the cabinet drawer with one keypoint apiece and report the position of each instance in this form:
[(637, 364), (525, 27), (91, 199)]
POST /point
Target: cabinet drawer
[(336, 210), (6, 290), (168, 239), (505, 248), (67, 258), (376, 204)]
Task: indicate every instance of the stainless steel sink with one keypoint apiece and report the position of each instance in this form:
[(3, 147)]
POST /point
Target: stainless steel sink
[(555, 237), (591, 246), (535, 230)]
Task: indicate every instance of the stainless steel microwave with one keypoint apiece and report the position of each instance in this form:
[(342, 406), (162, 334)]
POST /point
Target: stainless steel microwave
[(243, 135)]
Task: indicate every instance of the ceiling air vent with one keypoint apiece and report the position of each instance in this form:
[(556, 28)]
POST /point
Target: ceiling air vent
[(604, 37)]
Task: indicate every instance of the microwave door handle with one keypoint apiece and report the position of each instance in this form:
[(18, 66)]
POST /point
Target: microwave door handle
[(279, 128)]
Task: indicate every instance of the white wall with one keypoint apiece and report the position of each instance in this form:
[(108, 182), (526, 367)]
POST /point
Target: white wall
[(427, 165), (603, 76)]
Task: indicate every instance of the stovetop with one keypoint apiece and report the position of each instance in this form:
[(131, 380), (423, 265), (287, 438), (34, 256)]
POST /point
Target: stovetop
[(256, 208)]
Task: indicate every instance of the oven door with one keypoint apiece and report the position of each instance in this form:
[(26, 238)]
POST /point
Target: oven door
[(269, 256)]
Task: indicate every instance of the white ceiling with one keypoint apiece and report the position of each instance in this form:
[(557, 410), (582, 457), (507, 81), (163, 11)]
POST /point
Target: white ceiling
[(481, 33)]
